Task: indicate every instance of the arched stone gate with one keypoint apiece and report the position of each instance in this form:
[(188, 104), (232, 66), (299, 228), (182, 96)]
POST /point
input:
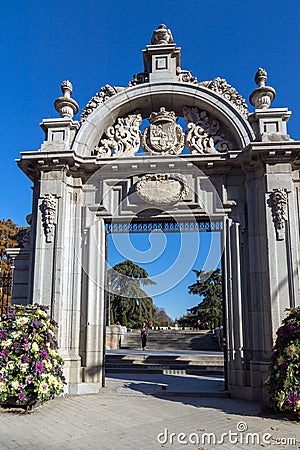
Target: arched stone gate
[(241, 169)]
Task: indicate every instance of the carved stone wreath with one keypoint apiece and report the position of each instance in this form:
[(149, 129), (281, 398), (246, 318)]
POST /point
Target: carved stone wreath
[(203, 134), (48, 210), (279, 200), (105, 92), (223, 88), (162, 189)]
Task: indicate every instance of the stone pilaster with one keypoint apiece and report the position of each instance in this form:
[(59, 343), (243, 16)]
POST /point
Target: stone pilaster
[(94, 327)]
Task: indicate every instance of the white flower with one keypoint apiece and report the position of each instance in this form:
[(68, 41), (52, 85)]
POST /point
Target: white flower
[(35, 347), (15, 384), (47, 364), (6, 343), (52, 380), (16, 334), (2, 386), (22, 320), (10, 365), (43, 388), (24, 367)]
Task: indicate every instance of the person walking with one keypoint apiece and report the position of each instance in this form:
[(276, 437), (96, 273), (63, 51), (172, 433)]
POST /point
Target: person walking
[(144, 335)]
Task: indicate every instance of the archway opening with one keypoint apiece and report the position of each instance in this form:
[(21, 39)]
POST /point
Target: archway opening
[(185, 332)]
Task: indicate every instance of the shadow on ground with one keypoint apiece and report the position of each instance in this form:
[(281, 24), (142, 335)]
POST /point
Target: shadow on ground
[(174, 388)]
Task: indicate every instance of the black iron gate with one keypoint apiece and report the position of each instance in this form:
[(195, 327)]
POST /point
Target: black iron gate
[(5, 291)]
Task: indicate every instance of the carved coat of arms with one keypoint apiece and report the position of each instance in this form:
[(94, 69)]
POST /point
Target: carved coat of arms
[(163, 136)]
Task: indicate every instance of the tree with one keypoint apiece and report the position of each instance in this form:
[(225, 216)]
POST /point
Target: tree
[(210, 309), (8, 239), (129, 303), (161, 318)]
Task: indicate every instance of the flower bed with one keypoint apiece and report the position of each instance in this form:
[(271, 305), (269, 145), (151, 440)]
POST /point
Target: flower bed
[(283, 383), (30, 367)]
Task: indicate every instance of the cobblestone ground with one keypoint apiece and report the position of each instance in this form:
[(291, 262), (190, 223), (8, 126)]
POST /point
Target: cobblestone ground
[(138, 421)]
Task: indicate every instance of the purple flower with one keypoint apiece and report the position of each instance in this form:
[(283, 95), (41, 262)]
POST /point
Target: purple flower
[(25, 358), (44, 355), (4, 352), (2, 334), (283, 368), (36, 323), (292, 399), (29, 379), (21, 396), (26, 346), (39, 367), (286, 329)]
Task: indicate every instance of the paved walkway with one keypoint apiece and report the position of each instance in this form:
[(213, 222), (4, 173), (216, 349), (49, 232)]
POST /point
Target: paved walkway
[(135, 413)]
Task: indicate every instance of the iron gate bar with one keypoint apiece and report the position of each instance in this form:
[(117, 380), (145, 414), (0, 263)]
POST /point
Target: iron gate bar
[(167, 226)]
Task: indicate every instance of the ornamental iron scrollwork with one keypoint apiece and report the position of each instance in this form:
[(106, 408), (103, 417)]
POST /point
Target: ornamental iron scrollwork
[(279, 200), (167, 226), (203, 134), (122, 139), (48, 210)]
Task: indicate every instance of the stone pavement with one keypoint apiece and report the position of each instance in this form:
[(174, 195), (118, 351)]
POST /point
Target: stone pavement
[(135, 413)]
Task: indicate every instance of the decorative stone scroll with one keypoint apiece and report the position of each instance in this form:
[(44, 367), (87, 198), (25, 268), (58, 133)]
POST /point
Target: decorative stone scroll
[(279, 200), (24, 235), (186, 76), (223, 88), (48, 209), (163, 136), (122, 139), (162, 189), (139, 78), (203, 135), (105, 92)]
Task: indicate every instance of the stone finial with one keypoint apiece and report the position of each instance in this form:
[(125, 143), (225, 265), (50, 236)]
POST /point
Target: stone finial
[(263, 96), (162, 36), (66, 106), (261, 77)]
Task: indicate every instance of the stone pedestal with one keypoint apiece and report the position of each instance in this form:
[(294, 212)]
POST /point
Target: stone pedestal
[(20, 289), (114, 335)]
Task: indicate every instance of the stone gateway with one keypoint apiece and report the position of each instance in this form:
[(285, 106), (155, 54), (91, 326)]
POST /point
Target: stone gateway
[(171, 146)]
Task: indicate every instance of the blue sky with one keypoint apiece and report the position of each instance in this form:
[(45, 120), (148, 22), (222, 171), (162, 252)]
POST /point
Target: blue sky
[(93, 43), (169, 260)]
